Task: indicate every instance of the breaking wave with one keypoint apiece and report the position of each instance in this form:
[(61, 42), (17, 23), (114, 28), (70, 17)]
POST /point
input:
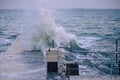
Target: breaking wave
[(41, 31)]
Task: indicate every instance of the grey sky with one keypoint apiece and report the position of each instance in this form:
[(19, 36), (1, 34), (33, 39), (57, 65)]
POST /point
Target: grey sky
[(112, 4)]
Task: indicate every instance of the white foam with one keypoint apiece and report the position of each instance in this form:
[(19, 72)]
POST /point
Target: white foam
[(41, 30)]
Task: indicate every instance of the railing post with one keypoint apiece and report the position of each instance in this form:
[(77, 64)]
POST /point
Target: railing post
[(116, 56), (111, 68), (116, 51), (117, 60), (119, 67)]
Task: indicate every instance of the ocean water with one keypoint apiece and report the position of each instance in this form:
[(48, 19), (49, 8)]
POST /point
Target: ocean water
[(92, 29), (95, 29), (10, 21)]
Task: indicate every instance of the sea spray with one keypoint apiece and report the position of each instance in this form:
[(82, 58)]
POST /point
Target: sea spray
[(40, 30), (47, 30)]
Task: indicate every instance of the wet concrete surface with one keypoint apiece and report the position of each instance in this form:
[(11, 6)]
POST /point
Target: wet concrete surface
[(29, 65), (22, 66)]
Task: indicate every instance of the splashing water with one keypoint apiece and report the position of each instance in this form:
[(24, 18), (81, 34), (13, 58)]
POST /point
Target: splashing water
[(42, 30)]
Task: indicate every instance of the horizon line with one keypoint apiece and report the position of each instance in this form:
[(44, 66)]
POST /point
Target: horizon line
[(57, 8)]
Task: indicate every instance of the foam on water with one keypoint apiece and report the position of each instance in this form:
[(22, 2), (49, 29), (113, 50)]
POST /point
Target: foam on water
[(41, 30)]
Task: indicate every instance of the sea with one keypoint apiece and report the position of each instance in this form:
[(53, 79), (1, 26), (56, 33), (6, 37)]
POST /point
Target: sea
[(94, 30)]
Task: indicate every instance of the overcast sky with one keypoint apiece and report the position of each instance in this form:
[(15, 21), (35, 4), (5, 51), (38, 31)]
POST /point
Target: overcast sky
[(109, 4)]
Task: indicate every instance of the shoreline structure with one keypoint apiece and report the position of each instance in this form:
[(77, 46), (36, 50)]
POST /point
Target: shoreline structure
[(23, 66)]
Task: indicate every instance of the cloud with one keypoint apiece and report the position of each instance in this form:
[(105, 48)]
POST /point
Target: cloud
[(21, 3), (60, 3), (84, 3)]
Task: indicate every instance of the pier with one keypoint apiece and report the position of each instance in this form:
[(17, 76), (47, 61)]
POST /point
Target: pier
[(19, 64)]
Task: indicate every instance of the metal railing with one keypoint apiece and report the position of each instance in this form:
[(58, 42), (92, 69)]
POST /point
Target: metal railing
[(110, 61), (105, 65), (111, 58)]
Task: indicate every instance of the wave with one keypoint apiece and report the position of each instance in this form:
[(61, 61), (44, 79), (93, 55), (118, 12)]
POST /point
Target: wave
[(43, 31)]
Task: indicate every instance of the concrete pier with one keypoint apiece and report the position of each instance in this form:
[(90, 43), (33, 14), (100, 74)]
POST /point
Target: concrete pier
[(22, 66), (16, 46), (18, 64)]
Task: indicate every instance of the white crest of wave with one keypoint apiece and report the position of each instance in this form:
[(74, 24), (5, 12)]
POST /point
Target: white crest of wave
[(41, 31)]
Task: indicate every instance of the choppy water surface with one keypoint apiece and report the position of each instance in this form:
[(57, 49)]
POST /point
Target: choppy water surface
[(95, 30)]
